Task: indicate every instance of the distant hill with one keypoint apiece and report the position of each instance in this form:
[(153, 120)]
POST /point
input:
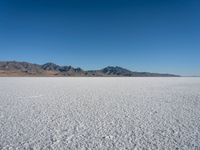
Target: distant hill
[(14, 68)]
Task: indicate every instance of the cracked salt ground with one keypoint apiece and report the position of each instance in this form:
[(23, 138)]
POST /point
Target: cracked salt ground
[(100, 113)]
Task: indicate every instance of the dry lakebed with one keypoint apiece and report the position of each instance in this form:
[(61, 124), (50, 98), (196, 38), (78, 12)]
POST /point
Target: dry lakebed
[(99, 113)]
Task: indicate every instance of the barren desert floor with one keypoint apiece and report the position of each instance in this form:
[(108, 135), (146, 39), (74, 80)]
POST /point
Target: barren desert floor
[(100, 113)]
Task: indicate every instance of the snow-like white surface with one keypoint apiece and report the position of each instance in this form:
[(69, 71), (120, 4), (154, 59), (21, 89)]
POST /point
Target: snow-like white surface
[(100, 113)]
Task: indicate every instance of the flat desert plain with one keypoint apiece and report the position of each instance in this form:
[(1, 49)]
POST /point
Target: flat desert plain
[(100, 113)]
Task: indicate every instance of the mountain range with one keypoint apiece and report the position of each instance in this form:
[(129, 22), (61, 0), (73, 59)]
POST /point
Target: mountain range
[(14, 68)]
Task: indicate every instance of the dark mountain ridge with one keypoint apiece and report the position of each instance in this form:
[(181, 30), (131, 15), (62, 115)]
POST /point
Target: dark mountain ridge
[(14, 68)]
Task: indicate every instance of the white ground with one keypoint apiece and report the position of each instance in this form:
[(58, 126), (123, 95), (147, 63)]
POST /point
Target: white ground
[(100, 113)]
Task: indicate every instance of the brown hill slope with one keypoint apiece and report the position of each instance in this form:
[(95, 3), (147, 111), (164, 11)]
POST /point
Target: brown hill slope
[(14, 68)]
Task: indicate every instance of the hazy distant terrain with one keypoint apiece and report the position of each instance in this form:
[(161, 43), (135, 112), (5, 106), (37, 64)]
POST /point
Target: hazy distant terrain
[(100, 113), (13, 68)]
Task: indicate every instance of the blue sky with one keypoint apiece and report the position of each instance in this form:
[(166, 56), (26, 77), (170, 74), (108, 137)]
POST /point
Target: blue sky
[(142, 35)]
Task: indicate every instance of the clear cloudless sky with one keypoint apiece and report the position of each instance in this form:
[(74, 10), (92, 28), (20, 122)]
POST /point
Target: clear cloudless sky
[(141, 35)]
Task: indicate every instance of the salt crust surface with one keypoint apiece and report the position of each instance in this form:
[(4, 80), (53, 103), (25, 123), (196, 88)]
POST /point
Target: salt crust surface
[(100, 113)]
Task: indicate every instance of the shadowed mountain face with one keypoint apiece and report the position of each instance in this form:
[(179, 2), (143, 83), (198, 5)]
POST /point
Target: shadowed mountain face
[(13, 68), (116, 71)]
